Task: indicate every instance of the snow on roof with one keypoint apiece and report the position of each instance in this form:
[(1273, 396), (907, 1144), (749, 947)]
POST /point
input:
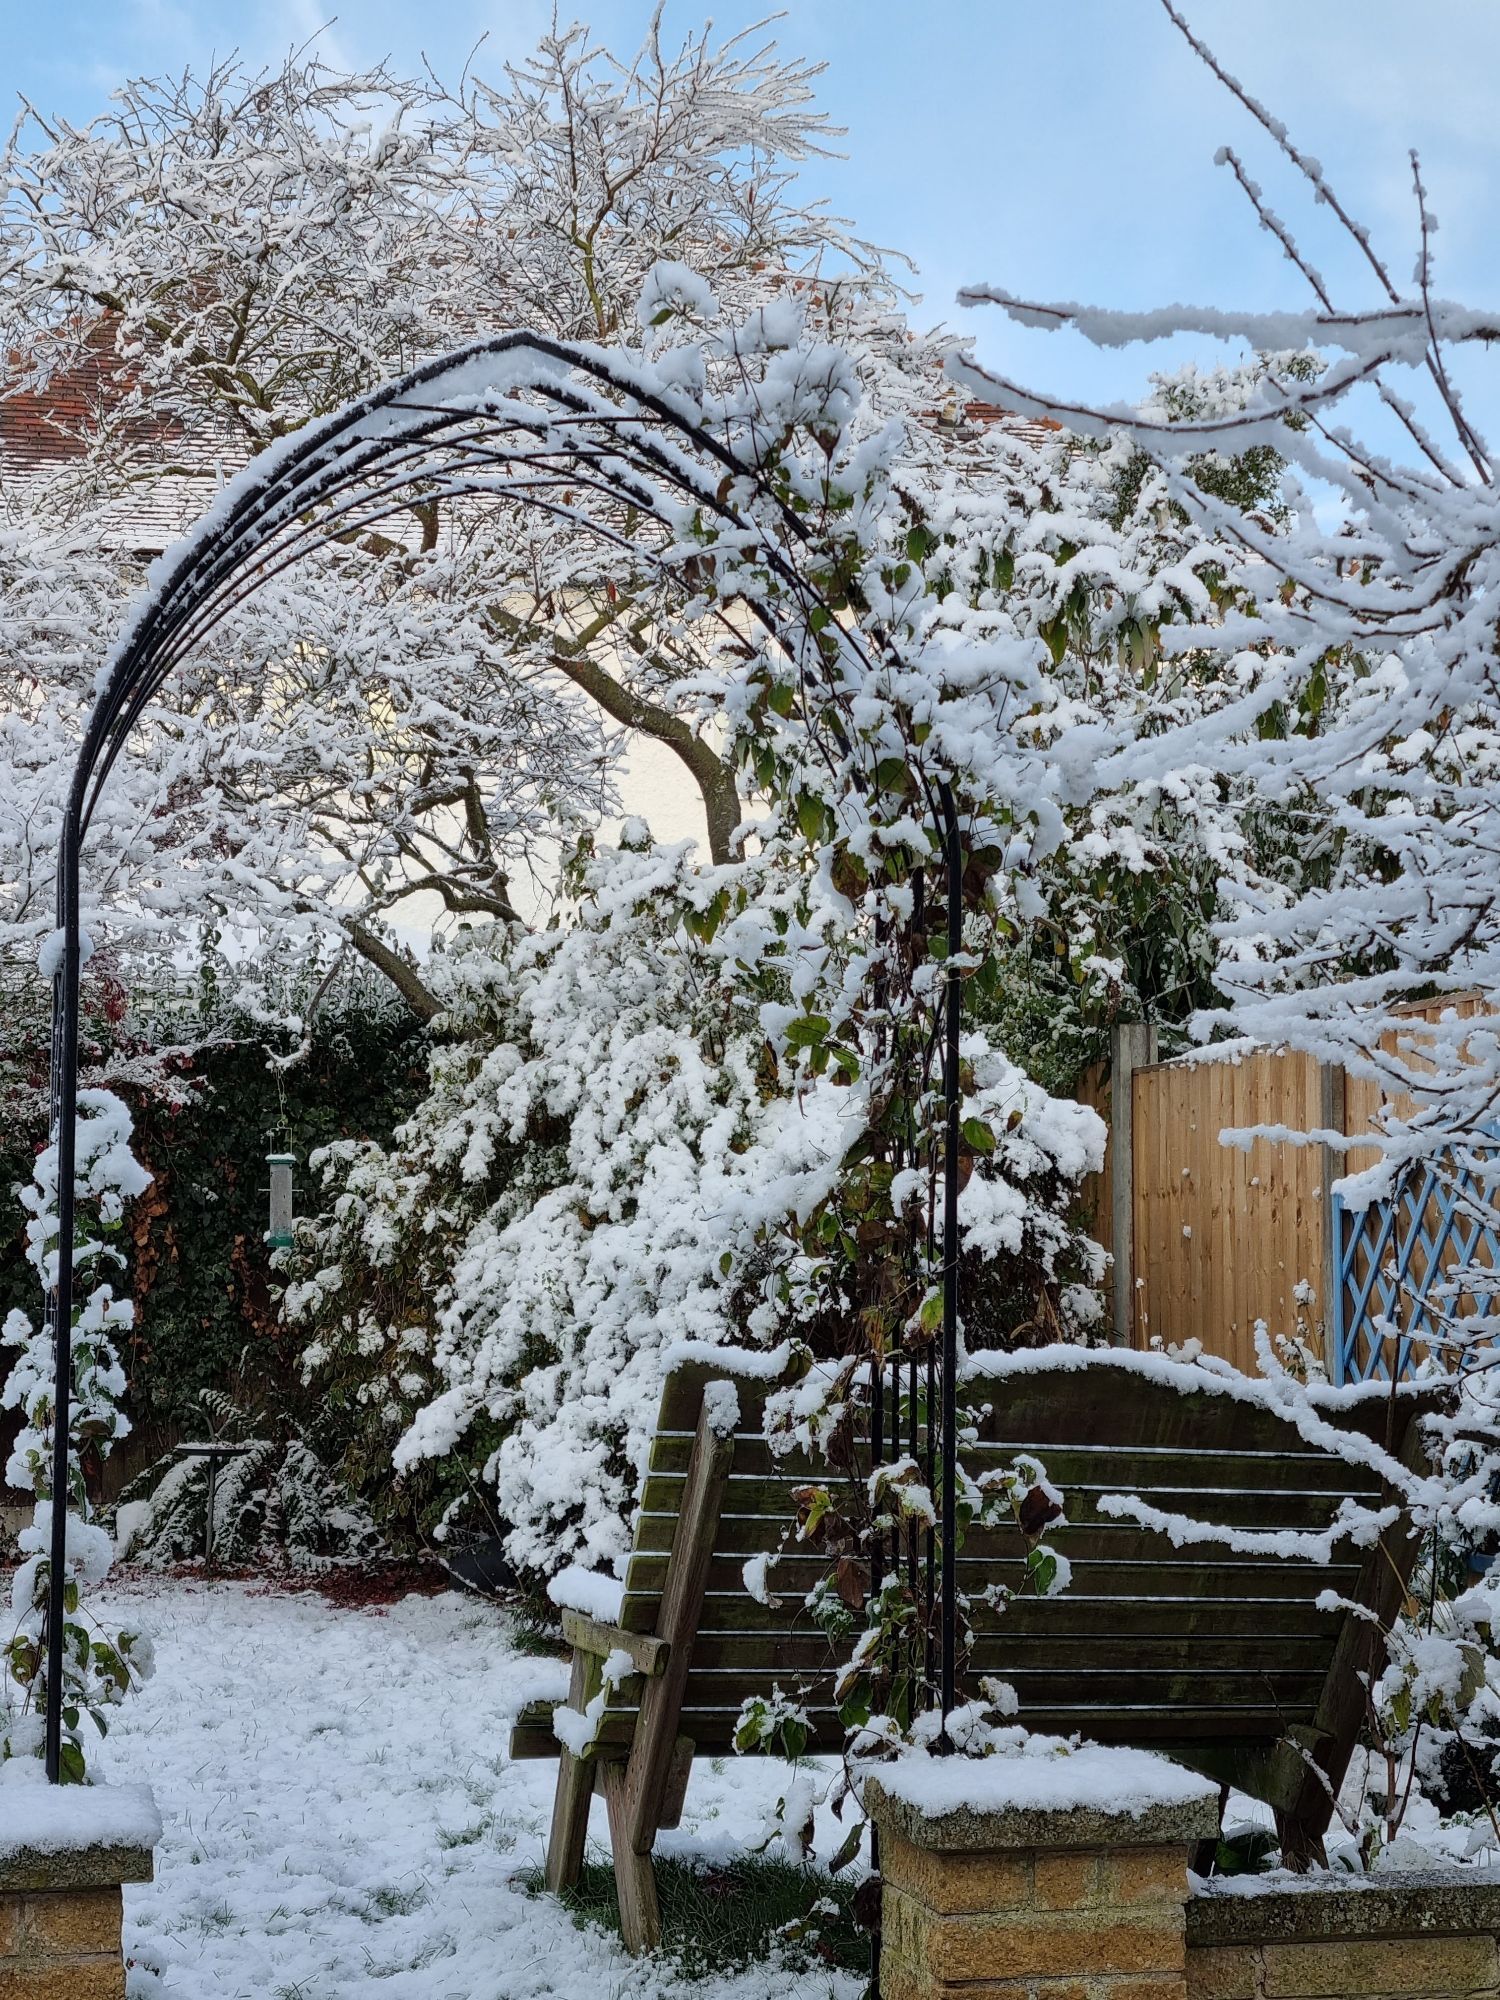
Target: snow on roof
[(45, 430)]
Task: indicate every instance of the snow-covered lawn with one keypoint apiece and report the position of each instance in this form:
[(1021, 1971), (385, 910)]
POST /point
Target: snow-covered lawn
[(341, 1820)]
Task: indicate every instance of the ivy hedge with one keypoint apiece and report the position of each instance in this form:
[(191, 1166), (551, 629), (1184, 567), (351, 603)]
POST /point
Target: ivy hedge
[(206, 1113)]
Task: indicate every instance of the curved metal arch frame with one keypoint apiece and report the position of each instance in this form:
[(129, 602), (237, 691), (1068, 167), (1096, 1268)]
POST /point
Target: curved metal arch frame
[(457, 428)]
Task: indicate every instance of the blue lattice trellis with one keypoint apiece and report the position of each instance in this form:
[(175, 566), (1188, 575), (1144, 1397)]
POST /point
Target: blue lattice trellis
[(1399, 1263)]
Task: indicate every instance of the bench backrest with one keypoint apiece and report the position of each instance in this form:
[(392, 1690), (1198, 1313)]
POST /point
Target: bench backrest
[(1197, 1651)]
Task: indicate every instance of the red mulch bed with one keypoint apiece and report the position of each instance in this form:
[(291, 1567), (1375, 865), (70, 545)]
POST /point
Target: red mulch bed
[(357, 1587)]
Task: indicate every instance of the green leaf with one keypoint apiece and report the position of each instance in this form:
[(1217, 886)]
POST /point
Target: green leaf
[(793, 1736), (978, 1136), (1055, 634), (812, 815), (848, 1847), (807, 1031), (1041, 1571), (854, 1710)]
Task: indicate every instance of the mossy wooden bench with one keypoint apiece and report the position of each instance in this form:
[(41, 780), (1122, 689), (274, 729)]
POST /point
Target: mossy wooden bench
[(1222, 1660)]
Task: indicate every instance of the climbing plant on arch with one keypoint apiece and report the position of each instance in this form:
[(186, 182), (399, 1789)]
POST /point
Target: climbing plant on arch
[(893, 755)]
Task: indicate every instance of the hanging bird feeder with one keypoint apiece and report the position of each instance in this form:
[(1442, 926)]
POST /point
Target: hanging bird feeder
[(279, 1235)]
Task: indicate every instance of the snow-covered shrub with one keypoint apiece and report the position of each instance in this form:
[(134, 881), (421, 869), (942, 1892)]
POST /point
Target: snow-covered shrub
[(277, 1501), (99, 1668), (608, 1163), (1433, 1713)]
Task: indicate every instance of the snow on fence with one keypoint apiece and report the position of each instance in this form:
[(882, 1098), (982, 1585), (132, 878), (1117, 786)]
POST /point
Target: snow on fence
[(1211, 1238)]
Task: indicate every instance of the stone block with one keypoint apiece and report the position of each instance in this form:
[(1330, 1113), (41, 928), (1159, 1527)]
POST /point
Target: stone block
[(1066, 1881), (83, 1922), (955, 1883), (1398, 1904), (1222, 1972), (87, 1868), (900, 1982), (1156, 1986), (1415, 1965), (82, 1979), (966, 1829), (1130, 1875), (10, 1924), (973, 1948)]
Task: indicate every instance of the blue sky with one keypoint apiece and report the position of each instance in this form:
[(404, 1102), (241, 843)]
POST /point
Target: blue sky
[(1061, 148)]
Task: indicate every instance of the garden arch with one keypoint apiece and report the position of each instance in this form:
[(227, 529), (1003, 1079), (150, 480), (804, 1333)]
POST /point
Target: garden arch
[(587, 437)]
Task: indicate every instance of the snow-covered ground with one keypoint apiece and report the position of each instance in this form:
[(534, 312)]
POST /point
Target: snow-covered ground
[(341, 1822)]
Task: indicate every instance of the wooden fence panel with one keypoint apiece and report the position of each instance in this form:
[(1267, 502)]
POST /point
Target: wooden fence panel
[(1096, 1195), (1224, 1235)]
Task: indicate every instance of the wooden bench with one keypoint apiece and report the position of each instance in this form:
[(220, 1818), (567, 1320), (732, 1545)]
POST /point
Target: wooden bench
[(1219, 1659)]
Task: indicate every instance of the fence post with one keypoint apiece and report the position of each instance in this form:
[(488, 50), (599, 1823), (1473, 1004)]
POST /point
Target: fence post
[(1332, 1118), (1132, 1044)]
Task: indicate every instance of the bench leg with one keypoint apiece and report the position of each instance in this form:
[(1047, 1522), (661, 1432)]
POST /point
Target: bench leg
[(570, 1821), (1301, 1843), (677, 1781), (575, 1787), (635, 1878)]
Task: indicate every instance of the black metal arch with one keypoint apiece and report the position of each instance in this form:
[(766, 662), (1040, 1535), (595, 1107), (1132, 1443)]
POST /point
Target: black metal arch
[(521, 418)]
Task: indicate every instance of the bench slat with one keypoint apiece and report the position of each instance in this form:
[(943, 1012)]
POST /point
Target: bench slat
[(756, 1511), (1097, 1690), (1008, 1654), (1127, 1564), (712, 1729), (1115, 1467), (1057, 1406), (1132, 1620)]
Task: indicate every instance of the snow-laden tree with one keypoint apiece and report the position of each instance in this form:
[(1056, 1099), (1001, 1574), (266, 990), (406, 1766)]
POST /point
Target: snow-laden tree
[(1360, 640), (437, 706)]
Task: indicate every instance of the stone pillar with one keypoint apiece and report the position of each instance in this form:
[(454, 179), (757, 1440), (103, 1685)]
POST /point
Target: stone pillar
[(60, 1917), (1025, 1904)]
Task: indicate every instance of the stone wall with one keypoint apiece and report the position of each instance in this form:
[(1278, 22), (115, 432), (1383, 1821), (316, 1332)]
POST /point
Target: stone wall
[(1083, 1903), (1410, 1936), (60, 1920)]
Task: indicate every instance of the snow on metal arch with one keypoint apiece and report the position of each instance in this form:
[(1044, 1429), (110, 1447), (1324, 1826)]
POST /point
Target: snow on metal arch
[(582, 434)]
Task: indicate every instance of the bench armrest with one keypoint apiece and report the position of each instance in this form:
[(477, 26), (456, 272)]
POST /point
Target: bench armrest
[(648, 1654)]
